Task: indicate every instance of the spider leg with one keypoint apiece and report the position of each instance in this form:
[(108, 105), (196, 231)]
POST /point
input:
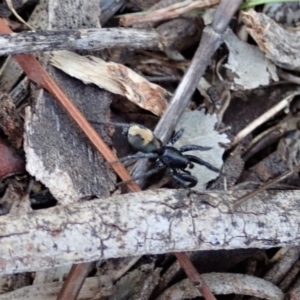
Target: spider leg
[(186, 171), (135, 156), (200, 161), (194, 147), (157, 168), (176, 137), (184, 179)]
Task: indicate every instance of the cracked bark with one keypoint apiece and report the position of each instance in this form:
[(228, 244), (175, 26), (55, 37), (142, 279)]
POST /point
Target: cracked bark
[(146, 223)]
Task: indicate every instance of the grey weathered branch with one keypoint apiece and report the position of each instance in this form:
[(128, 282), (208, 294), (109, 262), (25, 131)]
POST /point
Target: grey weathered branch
[(146, 223), (82, 39)]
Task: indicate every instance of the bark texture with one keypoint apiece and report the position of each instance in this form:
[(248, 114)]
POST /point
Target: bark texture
[(58, 154), (82, 39), (146, 223)]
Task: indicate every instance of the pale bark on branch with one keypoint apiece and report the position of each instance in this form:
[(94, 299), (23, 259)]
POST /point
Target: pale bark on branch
[(81, 39), (146, 223)]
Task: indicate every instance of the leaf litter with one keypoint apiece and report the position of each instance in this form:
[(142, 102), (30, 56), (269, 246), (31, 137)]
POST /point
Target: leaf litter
[(250, 77)]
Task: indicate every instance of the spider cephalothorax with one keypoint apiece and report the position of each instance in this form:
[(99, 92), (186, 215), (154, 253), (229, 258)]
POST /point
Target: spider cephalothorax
[(174, 160)]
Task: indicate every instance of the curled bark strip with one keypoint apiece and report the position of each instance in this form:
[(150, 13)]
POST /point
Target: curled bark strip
[(224, 284), (279, 45), (146, 222), (113, 77)]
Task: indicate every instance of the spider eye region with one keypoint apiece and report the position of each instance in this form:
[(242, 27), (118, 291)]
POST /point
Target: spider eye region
[(143, 139)]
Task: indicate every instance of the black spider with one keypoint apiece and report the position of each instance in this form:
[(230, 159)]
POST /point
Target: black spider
[(143, 139)]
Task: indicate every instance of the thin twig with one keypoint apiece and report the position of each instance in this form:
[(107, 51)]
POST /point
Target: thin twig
[(193, 275), (289, 77), (264, 117), (265, 186), (78, 273), (18, 17)]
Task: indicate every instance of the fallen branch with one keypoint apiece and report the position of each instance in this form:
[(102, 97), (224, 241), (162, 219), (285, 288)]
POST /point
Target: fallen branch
[(80, 39), (166, 13), (146, 223)]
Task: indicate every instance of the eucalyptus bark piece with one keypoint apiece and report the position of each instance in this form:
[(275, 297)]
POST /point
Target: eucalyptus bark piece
[(148, 222), (279, 44), (58, 153), (113, 77), (224, 284)]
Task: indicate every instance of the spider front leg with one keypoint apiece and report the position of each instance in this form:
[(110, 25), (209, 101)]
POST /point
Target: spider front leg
[(135, 156), (159, 166), (193, 147), (200, 161), (184, 179), (176, 137)]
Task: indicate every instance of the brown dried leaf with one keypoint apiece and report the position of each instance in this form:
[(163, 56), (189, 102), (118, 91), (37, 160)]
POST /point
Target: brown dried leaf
[(10, 122), (113, 77)]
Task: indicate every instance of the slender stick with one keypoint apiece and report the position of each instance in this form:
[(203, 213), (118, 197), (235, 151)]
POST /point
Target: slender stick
[(78, 273), (264, 117), (193, 275), (265, 186)]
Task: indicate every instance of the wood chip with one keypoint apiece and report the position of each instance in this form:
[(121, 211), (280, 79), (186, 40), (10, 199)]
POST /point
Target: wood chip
[(113, 77)]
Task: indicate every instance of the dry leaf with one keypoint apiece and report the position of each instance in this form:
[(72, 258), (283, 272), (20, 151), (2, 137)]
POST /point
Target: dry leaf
[(249, 65), (113, 77), (199, 130)]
